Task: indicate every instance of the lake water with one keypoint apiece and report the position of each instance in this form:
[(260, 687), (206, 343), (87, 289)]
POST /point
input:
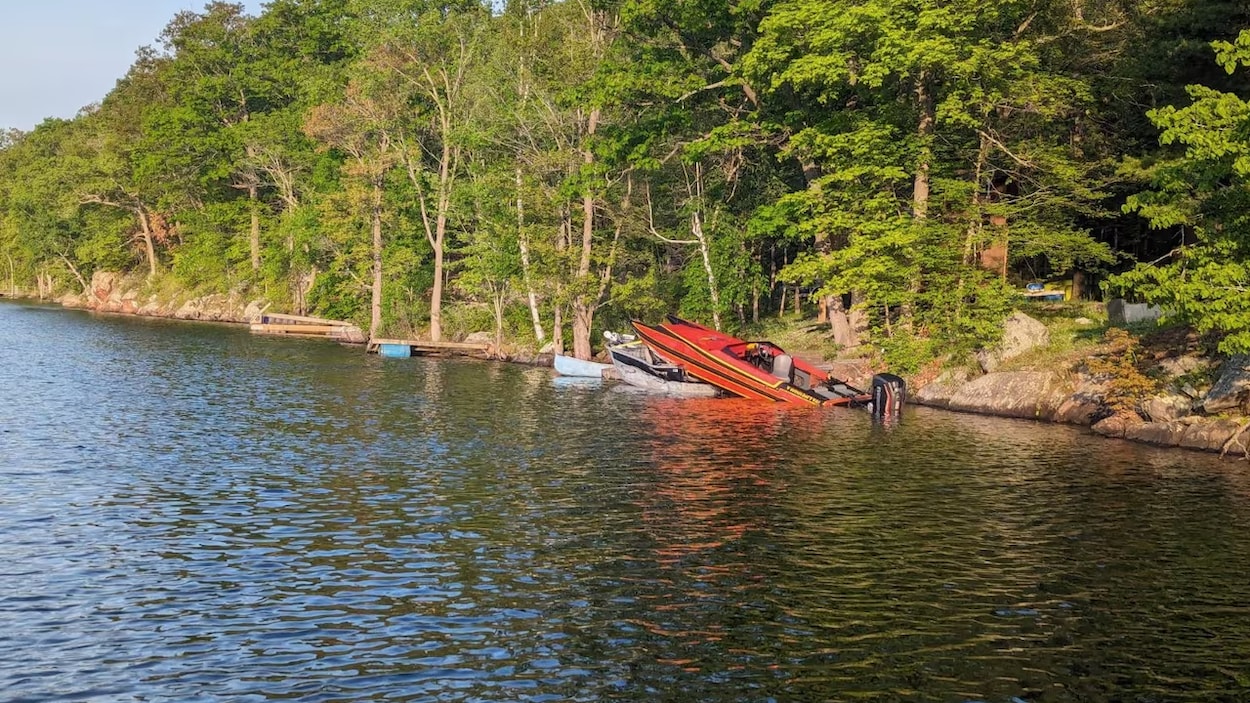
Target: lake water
[(189, 513)]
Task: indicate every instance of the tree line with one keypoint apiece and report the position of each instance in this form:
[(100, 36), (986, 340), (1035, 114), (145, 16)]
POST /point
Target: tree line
[(547, 168)]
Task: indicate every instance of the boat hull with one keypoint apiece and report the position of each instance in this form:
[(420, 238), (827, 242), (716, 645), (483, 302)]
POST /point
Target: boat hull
[(637, 366), (572, 366), (758, 370)]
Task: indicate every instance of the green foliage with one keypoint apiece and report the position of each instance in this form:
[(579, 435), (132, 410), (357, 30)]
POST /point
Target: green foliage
[(211, 252), (1203, 196), (1120, 367), (468, 317), (942, 118), (859, 148), (642, 297)]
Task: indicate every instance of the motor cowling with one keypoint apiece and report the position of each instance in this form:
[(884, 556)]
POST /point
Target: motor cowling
[(889, 392)]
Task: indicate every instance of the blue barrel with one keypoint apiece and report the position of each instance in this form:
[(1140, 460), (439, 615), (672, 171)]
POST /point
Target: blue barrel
[(395, 351)]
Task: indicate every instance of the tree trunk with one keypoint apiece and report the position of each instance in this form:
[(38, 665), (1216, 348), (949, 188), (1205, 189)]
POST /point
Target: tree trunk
[(975, 224), (149, 246), (696, 228), (523, 241), (74, 270), (921, 185), (557, 329), (924, 130), (254, 238), (303, 285), (583, 318), (375, 303), (499, 300), (811, 174), (440, 235), (974, 219), (563, 236), (583, 306), (840, 324), (858, 317)]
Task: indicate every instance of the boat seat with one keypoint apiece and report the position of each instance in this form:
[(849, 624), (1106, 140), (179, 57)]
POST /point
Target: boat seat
[(783, 367)]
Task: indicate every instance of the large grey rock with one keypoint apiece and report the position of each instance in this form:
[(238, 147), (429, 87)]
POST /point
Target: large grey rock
[(1077, 409), (254, 310), (1239, 443), (103, 283), (1025, 394), (1167, 407), (1083, 403), (938, 392), (1164, 434), (1232, 389), (1210, 435), (1182, 365), (1121, 312), (1118, 425), (1020, 334)]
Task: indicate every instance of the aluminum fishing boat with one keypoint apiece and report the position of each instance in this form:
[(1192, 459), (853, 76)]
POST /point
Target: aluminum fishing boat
[(640, 367)]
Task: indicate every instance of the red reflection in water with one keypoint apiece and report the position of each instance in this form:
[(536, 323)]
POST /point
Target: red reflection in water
[(714, 462)]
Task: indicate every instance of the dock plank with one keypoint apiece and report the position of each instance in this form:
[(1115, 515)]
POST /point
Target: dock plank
[(305, 329), (285, 319), (425, 345)]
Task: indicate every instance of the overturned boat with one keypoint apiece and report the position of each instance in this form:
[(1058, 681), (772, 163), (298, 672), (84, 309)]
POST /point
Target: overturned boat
[(762, 370)]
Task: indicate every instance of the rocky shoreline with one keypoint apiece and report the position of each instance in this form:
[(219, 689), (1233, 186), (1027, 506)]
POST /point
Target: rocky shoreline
[(1073, 398), (1217, 420), (114, 293)]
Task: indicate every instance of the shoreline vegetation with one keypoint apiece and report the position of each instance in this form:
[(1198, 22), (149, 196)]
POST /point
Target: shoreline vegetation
[(1156, 387), (943, 191)]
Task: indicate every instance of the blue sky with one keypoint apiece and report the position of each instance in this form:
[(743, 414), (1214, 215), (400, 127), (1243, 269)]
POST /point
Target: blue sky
[(57, 56)]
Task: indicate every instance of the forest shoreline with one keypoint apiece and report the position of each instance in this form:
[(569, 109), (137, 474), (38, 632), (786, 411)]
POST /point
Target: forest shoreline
[(1060, 393)]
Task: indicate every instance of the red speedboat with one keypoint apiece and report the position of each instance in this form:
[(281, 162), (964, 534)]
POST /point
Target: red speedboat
[(761, 370)]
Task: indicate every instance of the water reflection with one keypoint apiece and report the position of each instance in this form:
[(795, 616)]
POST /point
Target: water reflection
[(190, 513)]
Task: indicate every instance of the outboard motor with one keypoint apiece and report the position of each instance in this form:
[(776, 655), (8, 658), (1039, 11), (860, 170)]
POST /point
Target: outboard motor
[(888, 394)]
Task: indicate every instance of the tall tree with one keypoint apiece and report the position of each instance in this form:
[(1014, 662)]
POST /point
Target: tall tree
[(362, 126), (433, 59), (1203, 198), (938, 113)]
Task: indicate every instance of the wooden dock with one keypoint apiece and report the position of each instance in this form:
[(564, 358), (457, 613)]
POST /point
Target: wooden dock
[(395, 347), (302, 326)]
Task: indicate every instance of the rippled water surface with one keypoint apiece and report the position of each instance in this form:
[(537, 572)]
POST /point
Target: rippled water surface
[(188, 513)]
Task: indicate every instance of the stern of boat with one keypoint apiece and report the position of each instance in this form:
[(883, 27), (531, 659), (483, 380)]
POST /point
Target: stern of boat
[(889, 392)]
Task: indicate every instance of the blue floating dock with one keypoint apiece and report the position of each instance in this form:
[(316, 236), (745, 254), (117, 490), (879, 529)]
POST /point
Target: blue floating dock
[(395, 351)]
